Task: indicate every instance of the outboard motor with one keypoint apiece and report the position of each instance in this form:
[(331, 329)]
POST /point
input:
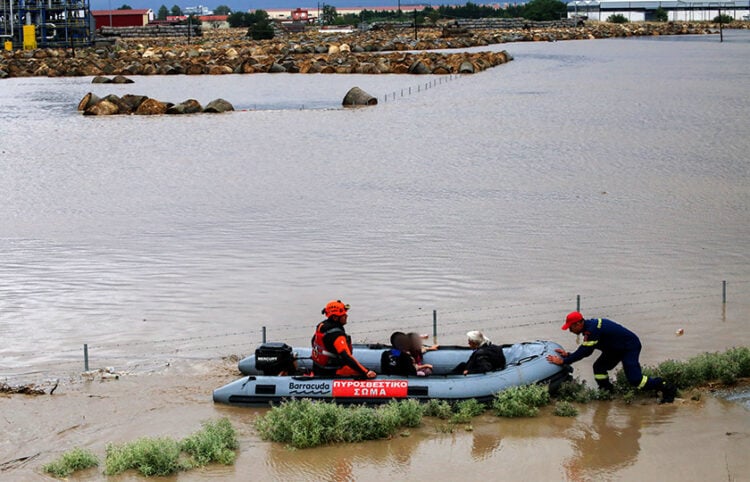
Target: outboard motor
[(274, 358)]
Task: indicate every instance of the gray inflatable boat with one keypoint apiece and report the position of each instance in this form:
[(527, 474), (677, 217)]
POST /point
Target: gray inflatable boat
[(526, 364)]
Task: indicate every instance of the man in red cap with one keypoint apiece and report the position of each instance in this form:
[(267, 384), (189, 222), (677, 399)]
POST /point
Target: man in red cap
[(332, 347), (617, 344)]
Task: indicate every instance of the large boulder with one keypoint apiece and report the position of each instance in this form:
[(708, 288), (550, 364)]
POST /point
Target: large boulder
[(88, 100), (122, 107), (218, 106), (151, 107), (100, 79), (419, 68), (358, 97), (190, 106), (121, 79), (103, 107), (133, 101)]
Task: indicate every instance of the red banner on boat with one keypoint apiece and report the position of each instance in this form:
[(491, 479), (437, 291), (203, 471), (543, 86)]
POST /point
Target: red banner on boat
[(370, 388)]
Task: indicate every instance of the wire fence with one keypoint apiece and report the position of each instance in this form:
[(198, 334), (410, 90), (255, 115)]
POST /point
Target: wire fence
[(419, 88), (145, 355)]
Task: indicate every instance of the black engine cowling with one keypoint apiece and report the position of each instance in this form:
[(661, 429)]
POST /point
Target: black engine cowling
[(274, 358)]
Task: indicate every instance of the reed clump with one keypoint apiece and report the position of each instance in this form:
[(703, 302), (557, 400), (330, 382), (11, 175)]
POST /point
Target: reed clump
[(72, 461)]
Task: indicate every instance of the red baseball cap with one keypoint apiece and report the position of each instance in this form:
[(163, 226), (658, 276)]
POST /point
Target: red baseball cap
[(573, 317)]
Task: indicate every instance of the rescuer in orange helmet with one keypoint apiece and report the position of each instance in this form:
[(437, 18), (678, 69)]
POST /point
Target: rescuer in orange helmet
[(332, 347)]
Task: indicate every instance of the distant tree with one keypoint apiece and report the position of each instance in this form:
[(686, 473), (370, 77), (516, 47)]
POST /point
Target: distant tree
[(260, 25), (723, 18), (238, 19), (660, 15), (125, 6), (163, 13), (222, 10), (176, 11), (545, 10), (617, 18), (328, 15)]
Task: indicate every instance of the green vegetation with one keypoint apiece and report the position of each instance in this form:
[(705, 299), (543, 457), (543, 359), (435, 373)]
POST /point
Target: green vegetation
[(163, 13), (69, 462), (305, 423), (465, 410), (521, 401), (660, 15), (149, 456), (724, 367), (438, 409), (617, 18), (565, 409), (533, 10), (723, 18), (258, 23), (216, 442)]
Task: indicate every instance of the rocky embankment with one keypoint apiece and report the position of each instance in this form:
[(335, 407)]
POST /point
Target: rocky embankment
[(128, 104), (376, 52)]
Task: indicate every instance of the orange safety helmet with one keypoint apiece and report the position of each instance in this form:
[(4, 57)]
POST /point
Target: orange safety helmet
[(335, 308)]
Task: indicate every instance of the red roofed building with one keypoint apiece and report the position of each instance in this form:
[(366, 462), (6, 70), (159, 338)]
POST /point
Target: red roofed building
[(214, 21), (122, 18)]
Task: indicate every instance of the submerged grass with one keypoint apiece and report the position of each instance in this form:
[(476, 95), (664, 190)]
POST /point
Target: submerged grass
[(69, 462), (149, 456), (726, 368), (521, 401), (305, 423), (215, 442)]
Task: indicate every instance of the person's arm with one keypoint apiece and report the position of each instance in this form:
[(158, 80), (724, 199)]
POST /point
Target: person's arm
[(478, 362), (582, 352), (342, 349)]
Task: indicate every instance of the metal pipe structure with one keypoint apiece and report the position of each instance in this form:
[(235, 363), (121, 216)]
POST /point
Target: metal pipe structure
[(45, 23)]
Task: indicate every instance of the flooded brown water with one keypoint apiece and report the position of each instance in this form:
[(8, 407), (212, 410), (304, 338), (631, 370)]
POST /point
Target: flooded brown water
[(706, 439), (616, 170)]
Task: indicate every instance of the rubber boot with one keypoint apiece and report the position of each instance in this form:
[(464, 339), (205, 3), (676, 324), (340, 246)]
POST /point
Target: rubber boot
[(605, 385), (668, 392)]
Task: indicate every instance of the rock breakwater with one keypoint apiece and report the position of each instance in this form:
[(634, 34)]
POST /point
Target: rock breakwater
[(112, 104), (391, 51)]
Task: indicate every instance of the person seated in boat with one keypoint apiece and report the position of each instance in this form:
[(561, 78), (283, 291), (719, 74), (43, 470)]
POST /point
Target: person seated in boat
[(332, 347), (417, 351), (486, 357), (397, 360)]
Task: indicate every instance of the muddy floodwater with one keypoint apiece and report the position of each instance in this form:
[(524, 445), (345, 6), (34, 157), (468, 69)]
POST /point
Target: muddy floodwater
[(610, 174)]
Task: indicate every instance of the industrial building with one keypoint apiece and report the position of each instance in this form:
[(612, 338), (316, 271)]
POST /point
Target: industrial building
[(645, 10), (31, 24), (122, 18)]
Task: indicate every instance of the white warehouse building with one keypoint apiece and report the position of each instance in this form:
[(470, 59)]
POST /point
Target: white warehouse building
[(677, 10)]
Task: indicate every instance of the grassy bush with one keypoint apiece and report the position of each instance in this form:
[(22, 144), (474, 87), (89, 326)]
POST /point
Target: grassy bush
[(69, 462), (724, 367), (522, 401), (617, 18), (565, 409), (215, 442), (465, 410), (577, 391), (149, 456), (437, 408), (305, 423)]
